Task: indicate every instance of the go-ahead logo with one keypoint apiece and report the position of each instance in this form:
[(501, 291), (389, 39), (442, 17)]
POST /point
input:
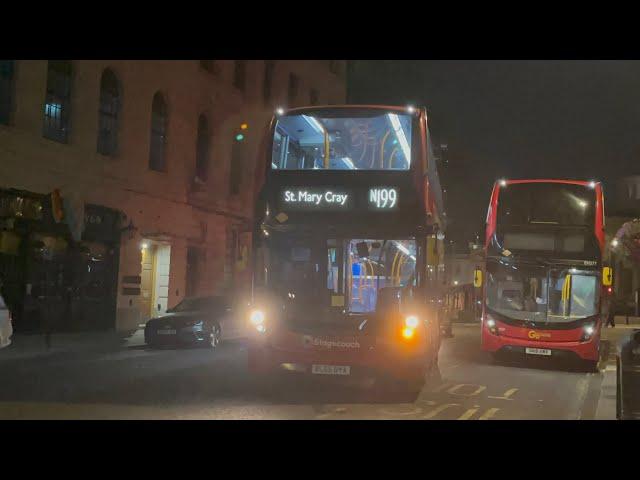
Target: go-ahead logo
[(533, 335)]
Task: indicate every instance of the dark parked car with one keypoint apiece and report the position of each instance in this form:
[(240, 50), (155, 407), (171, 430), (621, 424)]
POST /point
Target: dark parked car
[(628, 378), (194, 321)]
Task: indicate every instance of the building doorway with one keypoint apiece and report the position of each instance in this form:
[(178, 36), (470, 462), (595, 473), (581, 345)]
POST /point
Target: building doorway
[(154, 287)]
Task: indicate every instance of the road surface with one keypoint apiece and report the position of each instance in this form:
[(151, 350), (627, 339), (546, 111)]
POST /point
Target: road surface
[(141, 383)]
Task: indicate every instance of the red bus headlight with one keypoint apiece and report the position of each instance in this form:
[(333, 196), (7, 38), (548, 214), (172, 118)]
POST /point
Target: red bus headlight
[(587, 332), (491, 325)]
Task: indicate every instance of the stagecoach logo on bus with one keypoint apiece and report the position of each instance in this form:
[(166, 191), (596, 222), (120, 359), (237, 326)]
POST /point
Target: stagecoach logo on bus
[(311, 341)]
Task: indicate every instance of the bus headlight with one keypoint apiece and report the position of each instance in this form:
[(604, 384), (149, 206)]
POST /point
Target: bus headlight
[(407, 333), (587, 332), (411, 322), (491, 325), (257, 320)]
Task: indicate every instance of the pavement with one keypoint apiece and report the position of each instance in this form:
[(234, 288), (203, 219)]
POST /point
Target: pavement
[(110, 380), (29, 345), (626, 320), (611, 337)]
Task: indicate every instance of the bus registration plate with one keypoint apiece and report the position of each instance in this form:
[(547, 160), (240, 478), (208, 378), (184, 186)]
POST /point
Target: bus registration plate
[(538, 351), (331, 369)]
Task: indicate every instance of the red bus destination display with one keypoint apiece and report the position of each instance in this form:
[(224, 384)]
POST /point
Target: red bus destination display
[(338, 199)]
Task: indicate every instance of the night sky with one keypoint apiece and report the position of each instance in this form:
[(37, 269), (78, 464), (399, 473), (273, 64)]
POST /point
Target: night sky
[(514, 119)]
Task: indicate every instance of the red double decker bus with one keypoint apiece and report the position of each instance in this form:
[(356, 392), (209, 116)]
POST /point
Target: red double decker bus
[(348, 204), (544, 281)]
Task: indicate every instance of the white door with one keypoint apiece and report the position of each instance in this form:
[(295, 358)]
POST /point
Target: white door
[(161, 279), (146, 283)]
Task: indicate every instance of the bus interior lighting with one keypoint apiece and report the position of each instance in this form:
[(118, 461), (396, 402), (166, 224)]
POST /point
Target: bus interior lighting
[(503, 183), (317, 126), (397, 127)]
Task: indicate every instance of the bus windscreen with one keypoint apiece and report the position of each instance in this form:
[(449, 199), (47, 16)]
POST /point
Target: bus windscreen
[(316, 142), (554, 204)]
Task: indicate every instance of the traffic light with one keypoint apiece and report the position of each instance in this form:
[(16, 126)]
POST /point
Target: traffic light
[(240, 135)]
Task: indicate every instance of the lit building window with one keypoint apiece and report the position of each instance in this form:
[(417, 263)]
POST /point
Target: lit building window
[(108, 114), (57, 104), (157, 150)]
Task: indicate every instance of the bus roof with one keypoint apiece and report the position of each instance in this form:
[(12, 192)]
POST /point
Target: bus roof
[(401, 109), (550, 180)]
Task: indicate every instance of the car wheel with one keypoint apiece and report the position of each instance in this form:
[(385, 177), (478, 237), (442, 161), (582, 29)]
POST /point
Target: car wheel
[(618, 390), (215, 336)]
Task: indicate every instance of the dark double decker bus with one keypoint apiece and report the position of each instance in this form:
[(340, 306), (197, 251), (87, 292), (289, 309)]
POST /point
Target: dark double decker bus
[(348, 202), (543, 290)]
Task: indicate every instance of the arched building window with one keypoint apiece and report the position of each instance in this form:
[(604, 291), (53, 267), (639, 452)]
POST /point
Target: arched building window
[(267, 84), (292, 94), (238, 153), (157, 154), (108, 113), (7, 68), (57, 102), (313, 96), (210, 66), (202, 148), (240, 75)]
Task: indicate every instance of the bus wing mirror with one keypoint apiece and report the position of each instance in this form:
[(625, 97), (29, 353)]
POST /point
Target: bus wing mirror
[(607, 276), (477, 278)]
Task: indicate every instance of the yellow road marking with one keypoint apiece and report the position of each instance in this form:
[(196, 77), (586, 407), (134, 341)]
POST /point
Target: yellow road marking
[(455, 388), (469, 413), (507, 395), (489, 413), (391, 413), (440, 409)]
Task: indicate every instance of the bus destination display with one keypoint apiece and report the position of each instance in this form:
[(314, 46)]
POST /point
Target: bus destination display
[(339, 199)]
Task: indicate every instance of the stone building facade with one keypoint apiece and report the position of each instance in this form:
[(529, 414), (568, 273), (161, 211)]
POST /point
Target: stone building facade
[(167, 147)]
